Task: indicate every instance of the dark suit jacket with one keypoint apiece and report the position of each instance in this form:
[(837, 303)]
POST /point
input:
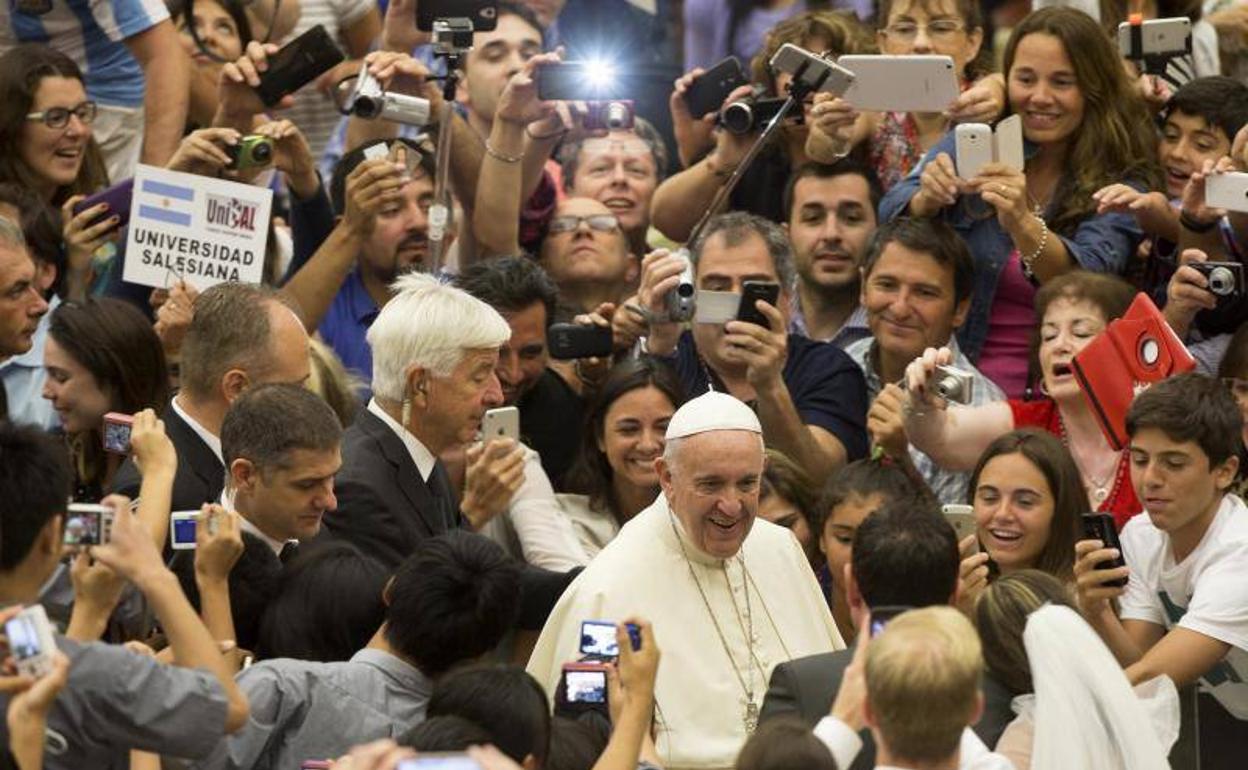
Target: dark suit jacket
[(254, 582), (200, 475), (806, 687)]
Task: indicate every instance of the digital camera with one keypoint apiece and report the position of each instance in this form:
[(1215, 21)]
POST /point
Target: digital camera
[(611, 116), (252, 151), (954, 385), (1226, 279)]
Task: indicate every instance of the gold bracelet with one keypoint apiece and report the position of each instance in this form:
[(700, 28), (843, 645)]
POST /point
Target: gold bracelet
[(493, 153)]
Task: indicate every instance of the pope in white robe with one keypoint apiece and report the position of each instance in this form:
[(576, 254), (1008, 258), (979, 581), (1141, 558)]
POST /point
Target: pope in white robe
[(729, 596)]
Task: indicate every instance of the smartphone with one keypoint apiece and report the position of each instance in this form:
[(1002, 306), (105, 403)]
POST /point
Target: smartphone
[(118, 199), (503, 422), (117, 432), (87, 524), (1158, 37), (707, 92), (585, 686), (298, 63), (824, 75), (580, 81), (31, 641), (482, 13), (751, 292), (1227, 191), (972, 148), (432, 760), (881, 616), (1100, 526), (962, 518), (567, 341), (182, 530)]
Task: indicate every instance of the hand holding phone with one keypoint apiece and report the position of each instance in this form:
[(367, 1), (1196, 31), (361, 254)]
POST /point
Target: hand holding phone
[(751, 293), (117, 198), (707, 92), (31, 641), (117, 428), (1100, 526), (502, 422), (296, 64), (568, 341)]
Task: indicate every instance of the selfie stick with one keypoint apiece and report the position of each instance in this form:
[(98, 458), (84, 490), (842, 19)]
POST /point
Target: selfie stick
[(452, 39)]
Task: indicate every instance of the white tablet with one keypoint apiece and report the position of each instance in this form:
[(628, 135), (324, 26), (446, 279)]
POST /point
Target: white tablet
[(919, 83)]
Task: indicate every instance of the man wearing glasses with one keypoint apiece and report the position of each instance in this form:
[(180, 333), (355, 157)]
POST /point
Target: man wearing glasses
[(140, 105), (586, 253)]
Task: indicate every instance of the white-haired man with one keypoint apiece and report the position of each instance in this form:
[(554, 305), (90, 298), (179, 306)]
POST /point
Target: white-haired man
[(730, 597), (435, 349)]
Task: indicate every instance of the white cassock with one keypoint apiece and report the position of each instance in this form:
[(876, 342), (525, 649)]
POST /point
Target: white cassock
[(700, 695)]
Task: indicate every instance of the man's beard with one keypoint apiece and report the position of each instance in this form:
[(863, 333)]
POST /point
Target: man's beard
[(419, 265)]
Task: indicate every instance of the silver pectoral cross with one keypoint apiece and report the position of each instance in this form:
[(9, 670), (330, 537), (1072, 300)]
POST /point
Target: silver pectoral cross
[(751, 716)]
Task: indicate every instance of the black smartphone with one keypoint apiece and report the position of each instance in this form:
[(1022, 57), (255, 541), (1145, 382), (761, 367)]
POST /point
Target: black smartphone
[(580, 81), (707, 92), (1100, 526), (880, 616), (752, 291), (567, 341), (482, 13), (298, 63)]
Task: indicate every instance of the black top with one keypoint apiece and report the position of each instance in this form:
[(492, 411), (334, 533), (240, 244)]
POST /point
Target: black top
[(552, 418), (200, 476)]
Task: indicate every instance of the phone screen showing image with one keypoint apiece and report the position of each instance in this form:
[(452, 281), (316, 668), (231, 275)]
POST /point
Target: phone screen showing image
[(23, 638), (586, 686), (598, 639), (183, 531)]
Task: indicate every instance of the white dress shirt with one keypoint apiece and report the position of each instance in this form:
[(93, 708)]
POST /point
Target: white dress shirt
[(844, 743)]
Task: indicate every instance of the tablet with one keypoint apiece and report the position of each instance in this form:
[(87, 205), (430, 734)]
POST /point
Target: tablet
[(919, 83)]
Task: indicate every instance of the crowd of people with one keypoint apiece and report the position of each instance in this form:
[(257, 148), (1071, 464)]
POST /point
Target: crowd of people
[(566, 435)]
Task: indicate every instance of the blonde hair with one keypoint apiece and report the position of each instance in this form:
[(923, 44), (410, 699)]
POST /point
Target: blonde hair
[(330, 380), (923, 673)]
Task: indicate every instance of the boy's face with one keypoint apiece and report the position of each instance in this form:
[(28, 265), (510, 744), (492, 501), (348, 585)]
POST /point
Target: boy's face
[(1174, 480), (1187, 141)]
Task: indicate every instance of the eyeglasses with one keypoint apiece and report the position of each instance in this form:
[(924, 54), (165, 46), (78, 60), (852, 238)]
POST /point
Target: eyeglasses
[(601, 223), (58, 117), (907, 31), (1238, 387)]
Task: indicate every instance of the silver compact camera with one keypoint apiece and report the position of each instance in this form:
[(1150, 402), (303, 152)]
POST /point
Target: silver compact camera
[(681, 300), (954, 385), (370, 101)]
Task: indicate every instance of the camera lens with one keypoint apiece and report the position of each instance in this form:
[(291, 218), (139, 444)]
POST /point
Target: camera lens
[(616, 114), (1221, 281), (262, 152), (738, 117), (947, 386)]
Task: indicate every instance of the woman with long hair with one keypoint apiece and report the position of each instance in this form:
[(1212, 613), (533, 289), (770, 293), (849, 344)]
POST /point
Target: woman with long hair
[(101, 356), (1084, 127)]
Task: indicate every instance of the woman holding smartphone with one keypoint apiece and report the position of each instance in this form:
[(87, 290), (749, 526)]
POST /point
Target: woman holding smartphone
[(1084, 127), (1070, 311), (101, 356)]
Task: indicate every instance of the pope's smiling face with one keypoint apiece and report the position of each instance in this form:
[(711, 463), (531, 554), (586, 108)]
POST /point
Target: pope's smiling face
[(711, 481)]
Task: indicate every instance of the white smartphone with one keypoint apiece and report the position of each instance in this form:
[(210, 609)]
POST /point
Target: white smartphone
[(1227, 191), (182, 526), (808, 68), (503, 422), (1158, 37), (31, 642), (1008, 140), (962, 517), (918, 83), (973, 148)]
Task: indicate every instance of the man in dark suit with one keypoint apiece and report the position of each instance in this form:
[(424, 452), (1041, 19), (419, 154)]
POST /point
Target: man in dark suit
[(904, 555), (241, 335), (281, 445)]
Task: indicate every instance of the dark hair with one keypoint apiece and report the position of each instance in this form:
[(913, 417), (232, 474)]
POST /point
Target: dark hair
[(575, 744), (847, 165), (1191, 407), (1221, 101), (1001, 617), (41, 225), (927, 236), (861, 478), (35, 482), (569, 155), (451, 601), (784, 743), (22, 68), (1235, 362), (906, 553), (523, 12), (503, 699), (590, 473), (327, 605), (841, 30), (230, 328), (1070, 499), (180, 9), (269, 422), (446, 733), (510, 285), (789, 481), (347, 163), (971, 14), (736, 228)]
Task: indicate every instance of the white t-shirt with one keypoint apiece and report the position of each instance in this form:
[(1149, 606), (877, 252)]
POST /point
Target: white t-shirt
[(1207, 592)]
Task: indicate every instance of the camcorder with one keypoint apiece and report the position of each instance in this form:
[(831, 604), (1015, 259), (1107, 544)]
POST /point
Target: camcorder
[(368, 100), (682, 300), (745, 116)]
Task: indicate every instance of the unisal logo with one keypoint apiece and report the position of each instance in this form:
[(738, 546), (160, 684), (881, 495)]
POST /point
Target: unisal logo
[(232, 213)]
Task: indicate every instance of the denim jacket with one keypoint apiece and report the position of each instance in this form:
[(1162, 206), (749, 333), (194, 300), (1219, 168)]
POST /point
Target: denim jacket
[(1101, 243)]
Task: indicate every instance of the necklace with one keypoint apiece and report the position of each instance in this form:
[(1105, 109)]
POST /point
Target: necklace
[(1099, 489), (750, 716)]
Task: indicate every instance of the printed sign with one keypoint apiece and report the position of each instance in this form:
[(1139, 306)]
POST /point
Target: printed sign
[(206, 231)]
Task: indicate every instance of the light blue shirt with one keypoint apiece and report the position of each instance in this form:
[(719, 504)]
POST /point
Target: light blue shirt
[(23, 377)]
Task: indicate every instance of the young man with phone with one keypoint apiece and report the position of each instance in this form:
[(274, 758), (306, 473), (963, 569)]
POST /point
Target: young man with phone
[(810, 397), (1181, 611), (180, 711), (916, 289)]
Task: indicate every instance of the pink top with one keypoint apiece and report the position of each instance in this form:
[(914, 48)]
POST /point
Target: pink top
[(1006, 349)]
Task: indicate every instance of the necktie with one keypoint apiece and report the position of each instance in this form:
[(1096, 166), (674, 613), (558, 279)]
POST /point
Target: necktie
[(440, 486), (289, 551)]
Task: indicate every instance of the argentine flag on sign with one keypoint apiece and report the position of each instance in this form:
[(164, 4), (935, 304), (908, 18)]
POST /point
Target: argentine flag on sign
[(168, 203)]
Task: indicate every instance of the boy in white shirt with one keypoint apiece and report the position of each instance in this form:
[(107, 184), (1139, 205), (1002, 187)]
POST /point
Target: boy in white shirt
[(1184, 610)]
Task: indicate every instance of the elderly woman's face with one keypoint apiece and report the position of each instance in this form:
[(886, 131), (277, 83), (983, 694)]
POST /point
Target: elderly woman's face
[(1068, 326)]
